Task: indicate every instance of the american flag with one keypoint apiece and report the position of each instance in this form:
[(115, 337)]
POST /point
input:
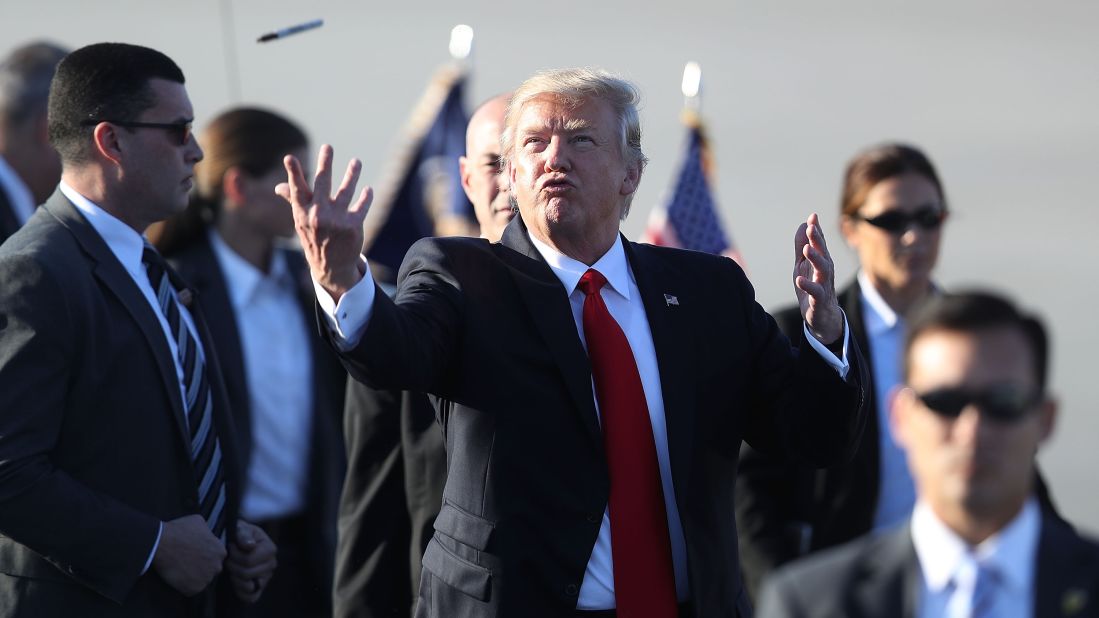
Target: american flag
[(689, 218)]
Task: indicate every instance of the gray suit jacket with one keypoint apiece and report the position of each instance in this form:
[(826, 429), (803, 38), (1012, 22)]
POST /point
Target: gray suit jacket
[(879, 575), (93, 441)]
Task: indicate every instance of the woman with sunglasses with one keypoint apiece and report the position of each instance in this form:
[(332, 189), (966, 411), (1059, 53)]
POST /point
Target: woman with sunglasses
[(285, 385), (892, 210)]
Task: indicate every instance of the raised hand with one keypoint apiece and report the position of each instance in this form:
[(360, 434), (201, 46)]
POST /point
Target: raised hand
[(330, 226), (814, 282)]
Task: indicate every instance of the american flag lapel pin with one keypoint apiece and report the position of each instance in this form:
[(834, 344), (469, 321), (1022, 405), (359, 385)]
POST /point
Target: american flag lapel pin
[(671, 301)]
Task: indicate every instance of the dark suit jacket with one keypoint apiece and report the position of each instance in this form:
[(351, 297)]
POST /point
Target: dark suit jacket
[(880, 576), (785, 511), (198, 265), (392, 493), (93, 442), (488, 329), (8, 223)]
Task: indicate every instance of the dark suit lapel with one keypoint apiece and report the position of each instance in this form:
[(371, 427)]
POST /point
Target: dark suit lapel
[(551, 313), (1066, 572), (672, 340), (200, 270), (889, 582), (110, 271)]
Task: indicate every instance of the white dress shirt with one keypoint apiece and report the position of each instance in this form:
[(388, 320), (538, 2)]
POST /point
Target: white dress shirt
[(948, 565), (127, 246), (885, 334), (19, 194), (348, 320), (278, 370)]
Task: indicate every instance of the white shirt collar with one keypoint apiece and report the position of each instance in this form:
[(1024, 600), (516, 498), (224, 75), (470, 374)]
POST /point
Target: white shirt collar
[(612, 265), (879, 316), (942, 553), (125, 243), (19, 194), (241, 276)]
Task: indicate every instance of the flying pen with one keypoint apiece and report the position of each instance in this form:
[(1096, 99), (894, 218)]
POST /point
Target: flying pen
[(285, 32)]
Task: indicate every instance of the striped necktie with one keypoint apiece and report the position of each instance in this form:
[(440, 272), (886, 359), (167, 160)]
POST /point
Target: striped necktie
[(197, 402)]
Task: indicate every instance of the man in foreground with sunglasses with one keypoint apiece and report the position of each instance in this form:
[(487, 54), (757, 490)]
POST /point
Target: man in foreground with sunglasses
[(119, 480), (970, 417)]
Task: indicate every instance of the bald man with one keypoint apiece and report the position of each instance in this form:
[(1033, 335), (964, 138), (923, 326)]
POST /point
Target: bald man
[(485, 186), (396, 463)]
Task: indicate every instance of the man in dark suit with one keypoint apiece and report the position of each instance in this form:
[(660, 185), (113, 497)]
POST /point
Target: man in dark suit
[(561, 501), (29, 166), (971, 415), (395, 451), (118, 469)]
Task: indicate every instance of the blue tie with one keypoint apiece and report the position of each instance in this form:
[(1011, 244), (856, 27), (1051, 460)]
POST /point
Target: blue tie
[(984, 591), (197, 403)]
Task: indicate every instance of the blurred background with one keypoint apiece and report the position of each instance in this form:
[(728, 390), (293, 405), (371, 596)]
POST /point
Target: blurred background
[(1003, 95)]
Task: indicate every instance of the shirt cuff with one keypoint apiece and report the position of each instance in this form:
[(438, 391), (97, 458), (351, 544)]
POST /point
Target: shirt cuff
[(149, 561), (839, 364), (348, 318)]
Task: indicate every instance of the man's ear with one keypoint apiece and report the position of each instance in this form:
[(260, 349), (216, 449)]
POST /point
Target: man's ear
[(1048, 418), (463, 173), (847, 228), (632, 179), (901, 400), (105, 137)]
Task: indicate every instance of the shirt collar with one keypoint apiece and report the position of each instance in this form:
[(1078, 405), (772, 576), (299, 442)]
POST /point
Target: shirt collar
[(942, 553), (241, 276), (22, 200), (879, 316), (612, 265), (125, 243)]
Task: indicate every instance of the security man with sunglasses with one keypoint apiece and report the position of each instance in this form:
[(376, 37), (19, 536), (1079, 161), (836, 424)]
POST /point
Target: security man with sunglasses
[(119, 472), (892, 211), (970, 416)]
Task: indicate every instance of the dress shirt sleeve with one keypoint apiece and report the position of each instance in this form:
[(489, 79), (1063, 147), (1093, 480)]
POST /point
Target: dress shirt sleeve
[(839, 364), (348, 318), (156, 545)]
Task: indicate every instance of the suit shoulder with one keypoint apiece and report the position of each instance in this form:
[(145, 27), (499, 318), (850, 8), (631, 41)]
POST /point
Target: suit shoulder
[(831, 571), (690, 263)]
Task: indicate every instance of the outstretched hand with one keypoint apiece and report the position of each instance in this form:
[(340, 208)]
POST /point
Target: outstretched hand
[(814, 282), (330, 226)]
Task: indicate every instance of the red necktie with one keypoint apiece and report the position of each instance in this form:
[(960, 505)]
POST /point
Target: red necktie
[(644, 582)]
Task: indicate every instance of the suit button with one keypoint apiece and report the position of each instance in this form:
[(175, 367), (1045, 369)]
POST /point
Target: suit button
[(572, 590)]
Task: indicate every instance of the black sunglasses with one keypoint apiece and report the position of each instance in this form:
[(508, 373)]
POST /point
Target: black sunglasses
[(181, 130), (897, 222), (1005, 403)]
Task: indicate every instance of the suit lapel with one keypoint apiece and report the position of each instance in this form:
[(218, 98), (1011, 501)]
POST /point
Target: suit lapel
[(551, 313), (198, 266), (1065, 573), (110, 271), (889, 582), (672, 341)]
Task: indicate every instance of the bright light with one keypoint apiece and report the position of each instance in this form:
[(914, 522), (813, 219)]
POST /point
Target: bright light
[(692, 79), (461, 41)]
